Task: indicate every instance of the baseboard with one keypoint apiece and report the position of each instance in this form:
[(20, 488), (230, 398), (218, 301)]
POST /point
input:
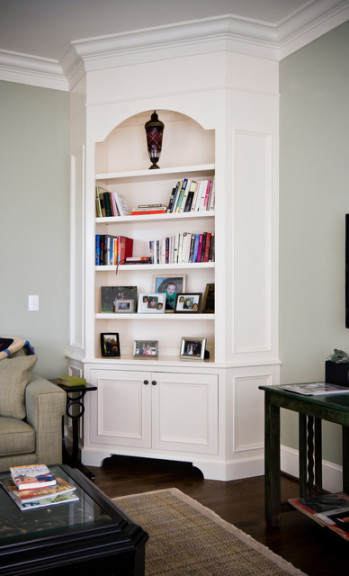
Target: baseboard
[(332, 474)]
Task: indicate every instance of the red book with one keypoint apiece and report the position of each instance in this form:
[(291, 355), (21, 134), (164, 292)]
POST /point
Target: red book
[(142, 212), (207, 247), (125, 248)]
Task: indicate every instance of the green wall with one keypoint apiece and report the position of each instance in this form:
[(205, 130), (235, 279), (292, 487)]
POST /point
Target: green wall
[(34, 219), (314, 198)]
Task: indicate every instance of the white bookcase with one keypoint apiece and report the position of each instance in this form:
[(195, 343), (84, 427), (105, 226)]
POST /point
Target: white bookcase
[(222, 122), (153, 186)]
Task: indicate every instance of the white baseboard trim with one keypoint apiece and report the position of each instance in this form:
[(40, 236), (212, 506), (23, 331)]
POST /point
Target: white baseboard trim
[(332, 474)]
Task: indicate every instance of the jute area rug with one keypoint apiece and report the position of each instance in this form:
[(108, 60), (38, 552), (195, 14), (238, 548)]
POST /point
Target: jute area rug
[(188, 539)]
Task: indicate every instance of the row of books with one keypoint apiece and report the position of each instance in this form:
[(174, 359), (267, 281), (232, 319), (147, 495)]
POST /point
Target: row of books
[(192, 196), (34, 486), (183, 247), (110, 203), (186, 196), (112, 250)]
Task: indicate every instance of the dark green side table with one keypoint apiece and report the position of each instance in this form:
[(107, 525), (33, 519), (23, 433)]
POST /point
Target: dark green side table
[(312, 410)]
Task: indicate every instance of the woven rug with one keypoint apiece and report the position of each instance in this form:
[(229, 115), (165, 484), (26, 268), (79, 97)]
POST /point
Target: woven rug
[(188, 539)]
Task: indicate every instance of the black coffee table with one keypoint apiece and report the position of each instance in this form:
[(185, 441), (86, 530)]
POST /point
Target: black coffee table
[(91, 536)]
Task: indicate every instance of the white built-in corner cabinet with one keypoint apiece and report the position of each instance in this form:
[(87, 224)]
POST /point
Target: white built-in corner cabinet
[(220, 111)]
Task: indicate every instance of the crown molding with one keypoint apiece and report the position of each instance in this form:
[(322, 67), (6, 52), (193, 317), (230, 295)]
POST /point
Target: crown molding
[(226, 32), (31, 70), (310, 24)]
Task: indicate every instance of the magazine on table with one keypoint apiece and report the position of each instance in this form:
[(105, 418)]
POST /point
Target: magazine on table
[(44, 502), (36, 494), (315, 388), (331, 510)]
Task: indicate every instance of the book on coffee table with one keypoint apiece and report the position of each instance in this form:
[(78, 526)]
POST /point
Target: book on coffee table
[(36, 494), (32, 476)]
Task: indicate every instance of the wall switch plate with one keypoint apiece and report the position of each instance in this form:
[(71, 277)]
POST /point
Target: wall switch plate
[(33, 303)]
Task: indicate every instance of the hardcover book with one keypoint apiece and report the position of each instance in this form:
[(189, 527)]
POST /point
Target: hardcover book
[(32, 476)]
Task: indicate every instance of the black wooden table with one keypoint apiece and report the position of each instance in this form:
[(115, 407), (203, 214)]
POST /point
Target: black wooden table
[(312, 410), (90, 536)]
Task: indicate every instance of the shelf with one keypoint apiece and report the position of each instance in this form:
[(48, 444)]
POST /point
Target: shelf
[(152, 217), (179, 266), (149, 174), (173, 317)]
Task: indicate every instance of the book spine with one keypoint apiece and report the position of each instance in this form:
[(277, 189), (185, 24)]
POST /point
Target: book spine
[(198, 258), (207, 247), (98, 249)]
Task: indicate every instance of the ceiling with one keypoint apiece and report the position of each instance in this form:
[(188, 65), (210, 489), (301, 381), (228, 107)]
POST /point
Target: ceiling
[(45, 28), (50, 43)]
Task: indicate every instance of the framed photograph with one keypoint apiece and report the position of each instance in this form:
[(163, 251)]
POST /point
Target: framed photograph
[(188, 303), (208, 300), (110, 345), (171, 286), (146, 349), (152, 303), (193, 348), (111, 296), (124, 306)]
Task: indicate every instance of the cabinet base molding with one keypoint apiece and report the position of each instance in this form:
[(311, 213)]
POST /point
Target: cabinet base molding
[(211, 469)]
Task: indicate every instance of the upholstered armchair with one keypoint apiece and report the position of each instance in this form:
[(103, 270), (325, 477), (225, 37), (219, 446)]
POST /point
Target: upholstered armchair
[(31, 410)]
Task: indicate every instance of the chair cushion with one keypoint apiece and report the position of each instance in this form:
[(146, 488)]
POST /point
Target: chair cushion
[(16, 437), (14, 377)]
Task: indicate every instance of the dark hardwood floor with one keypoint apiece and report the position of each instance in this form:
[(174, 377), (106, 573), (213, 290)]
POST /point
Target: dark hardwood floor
[(311, 548)]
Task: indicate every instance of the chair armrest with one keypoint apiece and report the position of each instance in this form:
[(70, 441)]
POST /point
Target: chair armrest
[(45, 406)]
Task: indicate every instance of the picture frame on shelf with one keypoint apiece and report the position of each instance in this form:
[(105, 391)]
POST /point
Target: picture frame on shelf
[(110, 344), (188, 302), (208, 299), (171, 285), (152, 303), (193, 348), (124, 306), (146, 349), (112, 296)]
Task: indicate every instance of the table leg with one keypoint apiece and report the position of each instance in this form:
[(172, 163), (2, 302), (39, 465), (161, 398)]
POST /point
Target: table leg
[(302, 440), (345, 435), (272, 464)]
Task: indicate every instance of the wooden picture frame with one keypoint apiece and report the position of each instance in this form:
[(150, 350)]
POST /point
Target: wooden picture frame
[(193, 348), (171, 285), (188, 302), (208, 303), (152, 303), (146, 349), (110, 345)]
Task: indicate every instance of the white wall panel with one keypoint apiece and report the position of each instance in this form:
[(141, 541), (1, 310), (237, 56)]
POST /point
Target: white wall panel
[(252, 242), (77, 252), (249, 412)]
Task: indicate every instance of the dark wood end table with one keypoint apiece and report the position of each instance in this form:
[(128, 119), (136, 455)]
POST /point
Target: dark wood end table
[(312, 410)]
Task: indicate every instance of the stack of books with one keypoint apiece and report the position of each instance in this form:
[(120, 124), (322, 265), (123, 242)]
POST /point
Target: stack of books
[(143, 209), (34, 486)]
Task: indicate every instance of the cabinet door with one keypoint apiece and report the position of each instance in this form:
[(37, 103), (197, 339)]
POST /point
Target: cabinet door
[(123, 411), (185, 412)]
